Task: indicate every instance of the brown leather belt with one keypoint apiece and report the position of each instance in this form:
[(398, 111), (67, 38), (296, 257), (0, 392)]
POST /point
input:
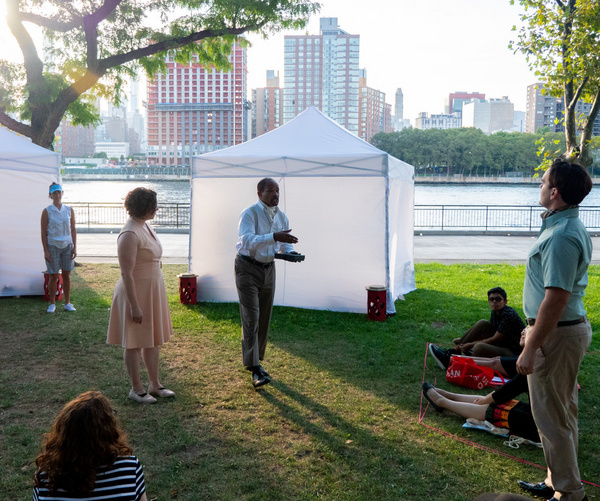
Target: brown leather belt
[(255, 262), (565, 323)]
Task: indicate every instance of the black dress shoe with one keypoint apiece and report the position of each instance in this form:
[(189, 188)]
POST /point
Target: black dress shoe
[(426, 388), (262, 370), (540, 489), (259, 379)]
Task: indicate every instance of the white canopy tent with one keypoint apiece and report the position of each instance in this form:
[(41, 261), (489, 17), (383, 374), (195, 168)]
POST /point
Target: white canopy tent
[(26, 172), (349, 203)]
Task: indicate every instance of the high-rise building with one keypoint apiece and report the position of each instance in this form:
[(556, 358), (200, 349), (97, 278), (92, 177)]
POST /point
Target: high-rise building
[(322, 71), (581, 109), (135, 121), (540, 111), (267, 108), (398, 120), (455, 100), (490, 116), (192, 110), (399, 105), (74, 140), (544, 110), (375, 113)]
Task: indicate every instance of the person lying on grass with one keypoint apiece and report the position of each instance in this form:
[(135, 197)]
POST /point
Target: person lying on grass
[(498, 407)]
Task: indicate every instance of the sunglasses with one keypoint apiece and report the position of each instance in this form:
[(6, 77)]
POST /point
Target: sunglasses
[(495, 299)]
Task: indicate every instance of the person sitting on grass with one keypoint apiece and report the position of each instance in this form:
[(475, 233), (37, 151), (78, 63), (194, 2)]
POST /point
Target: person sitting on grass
[(505, 366), (498, 337), (86, 456), (497, 407)]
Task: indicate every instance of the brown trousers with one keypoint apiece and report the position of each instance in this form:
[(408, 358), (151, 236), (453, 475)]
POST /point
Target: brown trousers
[(256, 290), (483, 330), (554, 398)]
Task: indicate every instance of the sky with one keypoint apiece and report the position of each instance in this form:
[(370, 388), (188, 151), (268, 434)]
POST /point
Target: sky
[(428, 48)]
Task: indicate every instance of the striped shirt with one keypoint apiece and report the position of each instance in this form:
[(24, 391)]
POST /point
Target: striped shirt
[(123, 481)]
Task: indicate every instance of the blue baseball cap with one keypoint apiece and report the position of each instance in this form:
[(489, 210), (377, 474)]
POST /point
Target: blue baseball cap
[(55, 187)]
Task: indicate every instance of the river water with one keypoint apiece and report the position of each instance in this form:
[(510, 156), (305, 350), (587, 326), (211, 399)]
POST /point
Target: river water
[(425, 194)]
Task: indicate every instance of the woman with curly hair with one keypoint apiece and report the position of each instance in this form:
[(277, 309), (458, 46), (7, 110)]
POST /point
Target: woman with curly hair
[(86, 456), (139, 317)]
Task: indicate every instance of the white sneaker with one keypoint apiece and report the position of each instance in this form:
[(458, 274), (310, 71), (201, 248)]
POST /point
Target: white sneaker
[(70, 307), (51, 308)]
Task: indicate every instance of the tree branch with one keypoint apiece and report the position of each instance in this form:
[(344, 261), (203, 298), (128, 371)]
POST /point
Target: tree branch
[(578, 92), (588, 128), (56, 25), (53, 24), (33, 64), (171, 43), (91, 77), (14, 125), (103, 12)]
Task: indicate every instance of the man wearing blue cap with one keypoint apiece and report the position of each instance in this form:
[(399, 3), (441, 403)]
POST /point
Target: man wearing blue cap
[(59, 238)]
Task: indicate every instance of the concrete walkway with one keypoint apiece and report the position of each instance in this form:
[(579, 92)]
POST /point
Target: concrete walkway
[(447, 249)]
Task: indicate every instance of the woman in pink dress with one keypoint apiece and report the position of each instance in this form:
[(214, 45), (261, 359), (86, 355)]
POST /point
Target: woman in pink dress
[(139, 317)]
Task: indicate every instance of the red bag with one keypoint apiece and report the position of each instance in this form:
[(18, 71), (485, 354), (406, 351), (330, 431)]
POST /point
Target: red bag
[(465, 372)]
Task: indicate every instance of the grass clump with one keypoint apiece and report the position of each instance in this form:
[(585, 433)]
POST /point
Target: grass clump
[(339, 421)]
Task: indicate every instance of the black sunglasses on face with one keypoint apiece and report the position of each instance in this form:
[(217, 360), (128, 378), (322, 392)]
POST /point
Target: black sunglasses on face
[(495, 299)]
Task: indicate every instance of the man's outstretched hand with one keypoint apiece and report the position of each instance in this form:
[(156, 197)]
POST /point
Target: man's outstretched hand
[(285, 237)]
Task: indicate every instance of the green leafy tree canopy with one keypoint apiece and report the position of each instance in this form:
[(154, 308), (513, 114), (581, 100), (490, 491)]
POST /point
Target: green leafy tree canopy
[(94, 45), (560, 41)]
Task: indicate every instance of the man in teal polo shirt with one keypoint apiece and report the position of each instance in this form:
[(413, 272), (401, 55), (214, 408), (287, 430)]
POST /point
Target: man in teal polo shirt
[(558, 332)]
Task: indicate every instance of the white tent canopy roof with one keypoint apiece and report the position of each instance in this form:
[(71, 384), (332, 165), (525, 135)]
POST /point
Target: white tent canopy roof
[(309, 145), (19, 154)]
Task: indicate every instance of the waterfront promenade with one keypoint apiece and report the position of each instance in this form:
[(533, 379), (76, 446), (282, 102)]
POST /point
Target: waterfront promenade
[(447, 249)]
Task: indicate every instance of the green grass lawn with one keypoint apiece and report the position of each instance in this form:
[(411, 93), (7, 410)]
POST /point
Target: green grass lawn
[(339, 422)]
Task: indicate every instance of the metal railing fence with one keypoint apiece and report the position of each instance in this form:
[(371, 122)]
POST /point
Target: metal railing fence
[(90, 215), (427, 217), (491, 217)]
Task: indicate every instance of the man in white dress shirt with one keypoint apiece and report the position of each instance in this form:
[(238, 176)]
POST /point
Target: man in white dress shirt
[(263, 230)]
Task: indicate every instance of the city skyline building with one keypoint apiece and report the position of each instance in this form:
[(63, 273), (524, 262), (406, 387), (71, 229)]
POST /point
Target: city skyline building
[(399, 104), (193, 110), (267, 106), (540, 109), (323, 71), (491, 115), (74, 140), (438, 121), (375, 113), (455, 100), (398, 120), (544, 110)]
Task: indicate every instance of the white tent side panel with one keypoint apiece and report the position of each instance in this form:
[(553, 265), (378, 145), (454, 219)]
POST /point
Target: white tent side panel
[(349, 203), (25, 183), (401, 237), (343, 238)]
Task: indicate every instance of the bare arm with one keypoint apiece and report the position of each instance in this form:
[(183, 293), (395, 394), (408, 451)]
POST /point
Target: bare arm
[(551, 309), (44, 223), (143, 497), (73, 235), (127, 245)]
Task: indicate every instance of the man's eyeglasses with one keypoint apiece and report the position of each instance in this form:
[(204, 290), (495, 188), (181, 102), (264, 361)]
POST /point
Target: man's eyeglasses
[(495, 299)]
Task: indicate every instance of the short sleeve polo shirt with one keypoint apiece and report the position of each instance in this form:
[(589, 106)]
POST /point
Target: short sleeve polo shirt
[(559, 258)]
